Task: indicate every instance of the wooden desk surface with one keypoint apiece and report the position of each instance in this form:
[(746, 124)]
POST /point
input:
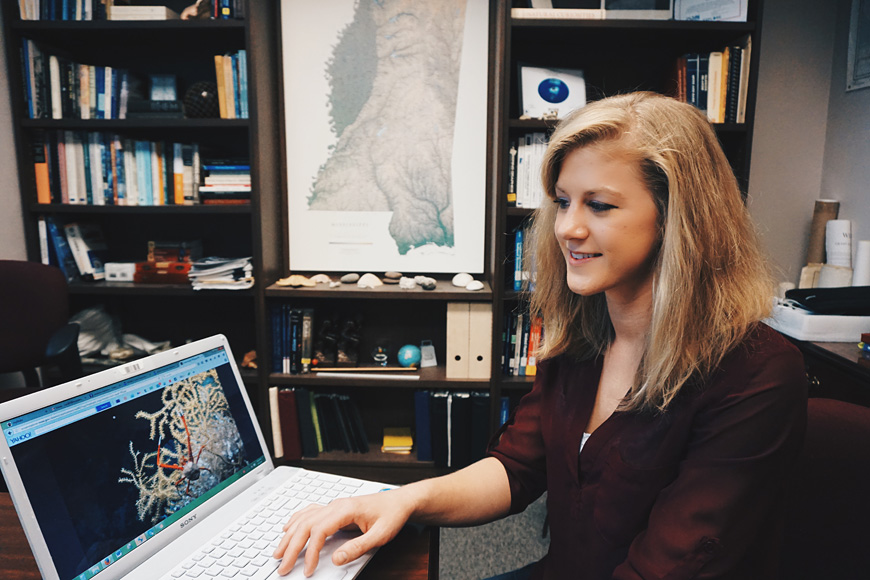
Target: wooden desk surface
[(405, 558)]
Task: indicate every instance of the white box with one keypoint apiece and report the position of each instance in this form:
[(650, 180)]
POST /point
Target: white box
[(805, 325), (120, 271)]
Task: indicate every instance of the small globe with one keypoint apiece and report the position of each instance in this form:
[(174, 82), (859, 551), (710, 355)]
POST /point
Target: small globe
[(409, 355), (201, 101)]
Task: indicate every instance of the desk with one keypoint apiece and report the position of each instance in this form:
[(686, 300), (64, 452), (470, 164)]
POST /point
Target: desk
[(837, 370), (405, 558)]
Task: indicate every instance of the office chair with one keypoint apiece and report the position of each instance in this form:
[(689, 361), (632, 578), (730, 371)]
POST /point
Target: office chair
[(827, 526), (34, 331)]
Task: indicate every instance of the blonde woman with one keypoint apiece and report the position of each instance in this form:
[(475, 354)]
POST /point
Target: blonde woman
[(665, 417)]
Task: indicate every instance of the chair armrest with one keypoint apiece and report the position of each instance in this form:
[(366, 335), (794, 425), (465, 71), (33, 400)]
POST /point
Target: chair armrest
[(63, 350)]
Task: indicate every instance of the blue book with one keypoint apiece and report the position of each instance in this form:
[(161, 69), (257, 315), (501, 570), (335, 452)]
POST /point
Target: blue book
[(518, 262), (423, 431), (100, 84), (62, 252), (120, 173), (143, 167), (243, 82), (234, 58), (504, 411), (108, 182), (25, 57), (86, 154)]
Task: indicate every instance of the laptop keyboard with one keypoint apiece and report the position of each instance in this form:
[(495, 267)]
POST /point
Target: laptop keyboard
[(244, 549)]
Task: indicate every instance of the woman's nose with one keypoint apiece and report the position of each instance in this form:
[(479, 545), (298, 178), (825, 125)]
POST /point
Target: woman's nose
[(572, 225)]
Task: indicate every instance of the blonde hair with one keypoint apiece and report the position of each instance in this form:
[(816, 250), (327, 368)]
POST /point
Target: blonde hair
[(711, 283)]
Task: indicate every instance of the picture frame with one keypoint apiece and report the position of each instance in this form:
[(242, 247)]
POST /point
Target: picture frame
[(858, 64), (385, 119), (550, 93)]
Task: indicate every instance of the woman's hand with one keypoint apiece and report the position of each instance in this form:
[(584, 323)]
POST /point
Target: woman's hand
[(379, 516)]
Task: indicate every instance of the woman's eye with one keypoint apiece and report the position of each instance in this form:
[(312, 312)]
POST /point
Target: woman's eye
[(598, 206), (562, 202)]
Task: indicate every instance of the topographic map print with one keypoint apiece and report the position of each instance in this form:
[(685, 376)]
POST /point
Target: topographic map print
[(394, 78)]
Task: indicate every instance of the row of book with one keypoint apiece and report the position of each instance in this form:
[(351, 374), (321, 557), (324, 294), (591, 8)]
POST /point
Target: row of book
[(77, 248), (717, 82), (99, 168), (225, 181), (451, 429), (231, 70), (83, 10), (305, 424), (292, 339), (56, 87), (524, 170), (302, 341), (521, 336)]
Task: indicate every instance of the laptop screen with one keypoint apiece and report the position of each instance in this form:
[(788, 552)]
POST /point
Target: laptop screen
[(108, 470)]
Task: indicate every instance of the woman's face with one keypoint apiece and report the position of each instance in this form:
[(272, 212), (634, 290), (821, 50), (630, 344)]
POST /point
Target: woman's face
[(606, 223)]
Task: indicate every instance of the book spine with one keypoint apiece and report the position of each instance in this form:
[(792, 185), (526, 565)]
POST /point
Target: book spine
[(40, 167), (512, 177), (289, 416), (274, 414), (518, 259), (178, 173), (219, 73)]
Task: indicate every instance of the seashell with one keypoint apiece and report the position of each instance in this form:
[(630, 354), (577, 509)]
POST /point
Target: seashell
[(295, 281), (321, 279), (428, 284), (419, 279), (474, 285), (462, 279), (390, 280), (369, 281), (392, 275), (334, 283), (406, 283), (349, 278)]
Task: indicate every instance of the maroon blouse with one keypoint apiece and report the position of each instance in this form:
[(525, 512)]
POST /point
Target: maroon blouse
[(691, 493)]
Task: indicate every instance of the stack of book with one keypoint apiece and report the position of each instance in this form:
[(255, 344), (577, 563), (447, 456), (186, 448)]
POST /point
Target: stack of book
[(524, 170), (225, 182), (59, 88), (305, 424), (716, 82), (231, 70), (90, 167), (398, 440), (521, 336), (215, 273), (452, 428)]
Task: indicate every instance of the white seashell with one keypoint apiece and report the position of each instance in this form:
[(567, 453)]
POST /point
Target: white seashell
[(369, 281), (334, 284), (474, 285), (462, 279), (321, 279), (407, 283)]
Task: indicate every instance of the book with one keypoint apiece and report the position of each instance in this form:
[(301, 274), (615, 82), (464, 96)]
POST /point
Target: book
[(557, 13), (221, 86), (422, 425), (744, 79), (479, 425), (438, 420), (88, 248), (118, 12), (397, 440), (460, 430), (289, 417), (40, 168), (275, 416), (62, 253), (735, 61), (307, 433), (714, 84)]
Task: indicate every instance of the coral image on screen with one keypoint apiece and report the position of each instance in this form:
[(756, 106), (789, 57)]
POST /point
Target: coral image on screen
[(196, 444)]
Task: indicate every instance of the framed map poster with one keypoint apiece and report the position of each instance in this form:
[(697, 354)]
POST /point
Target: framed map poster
[(858, 65), (385, 112)]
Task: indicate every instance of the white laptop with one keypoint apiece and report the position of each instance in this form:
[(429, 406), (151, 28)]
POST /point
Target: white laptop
[(157, 469)]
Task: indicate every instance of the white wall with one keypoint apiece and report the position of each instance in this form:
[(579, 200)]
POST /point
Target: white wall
[(11, 222), (788, 150), (846, 168)]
